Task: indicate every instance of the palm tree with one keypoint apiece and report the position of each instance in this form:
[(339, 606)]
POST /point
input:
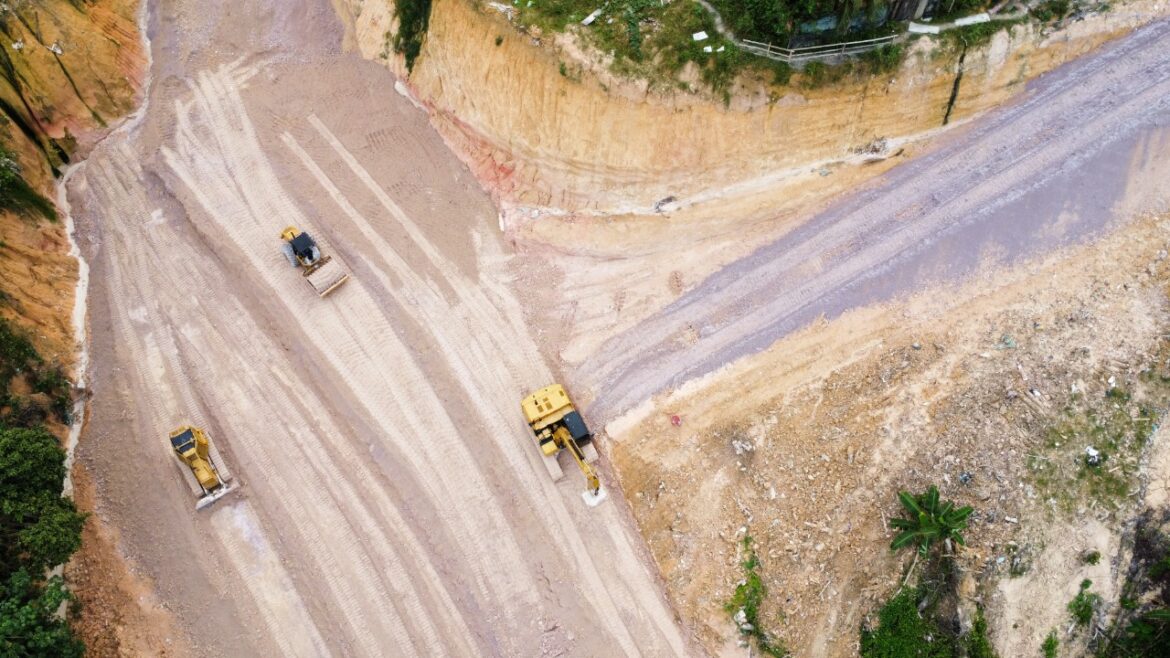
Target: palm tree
[(928, 521)]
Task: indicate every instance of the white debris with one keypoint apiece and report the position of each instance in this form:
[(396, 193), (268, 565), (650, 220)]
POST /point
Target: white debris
[(720, 49), (55, 48), (591, 17), (918, 28), (1092, 456), (18, 45), (973, 20), (699, 36), (706, 49)]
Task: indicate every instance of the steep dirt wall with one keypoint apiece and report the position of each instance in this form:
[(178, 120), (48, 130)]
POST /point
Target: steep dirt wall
[(538, 137), (67, 70)]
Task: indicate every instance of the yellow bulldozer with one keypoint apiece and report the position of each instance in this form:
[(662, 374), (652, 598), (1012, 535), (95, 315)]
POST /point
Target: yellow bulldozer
[(322, 272), (209, 480), (557, 426)]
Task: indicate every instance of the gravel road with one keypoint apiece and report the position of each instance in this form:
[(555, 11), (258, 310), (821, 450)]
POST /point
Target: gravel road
[(391, 500), (1086, 146)]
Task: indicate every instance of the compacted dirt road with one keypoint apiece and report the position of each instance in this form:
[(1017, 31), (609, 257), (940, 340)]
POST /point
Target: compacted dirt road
[(391, 500), (1086, 145)]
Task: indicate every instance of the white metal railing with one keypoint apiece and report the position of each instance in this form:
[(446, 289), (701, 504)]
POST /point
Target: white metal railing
[(795, 55)]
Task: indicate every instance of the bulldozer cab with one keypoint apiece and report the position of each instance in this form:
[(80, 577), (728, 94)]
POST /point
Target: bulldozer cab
[(303, 246)]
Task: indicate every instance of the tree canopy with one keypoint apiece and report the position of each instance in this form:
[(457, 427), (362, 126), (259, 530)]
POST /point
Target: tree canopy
[(38, 530)]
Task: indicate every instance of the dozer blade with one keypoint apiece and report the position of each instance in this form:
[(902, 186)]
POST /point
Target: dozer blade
[(207, 500), (327, 278)]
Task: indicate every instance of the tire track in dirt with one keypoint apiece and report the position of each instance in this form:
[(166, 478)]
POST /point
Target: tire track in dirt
[(867, 248), (214, 148), (496, 339)]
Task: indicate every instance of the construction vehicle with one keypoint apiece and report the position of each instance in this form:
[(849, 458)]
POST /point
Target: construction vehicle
[(557, 426), (322, 272), (206, 473)]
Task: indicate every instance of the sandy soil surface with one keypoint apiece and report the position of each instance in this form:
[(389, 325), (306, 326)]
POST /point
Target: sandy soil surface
[(805, 445), (1079, 150), (390, 498)]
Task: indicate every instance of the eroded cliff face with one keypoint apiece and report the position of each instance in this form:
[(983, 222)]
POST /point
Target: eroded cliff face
[(67, 71), (537, 137)]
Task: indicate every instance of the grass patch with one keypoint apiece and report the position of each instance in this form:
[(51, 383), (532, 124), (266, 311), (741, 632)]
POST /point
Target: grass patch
[(1118, 426), (1142, 625), (744, 606), (19, 359), (1084, 604), (902, 632), (972, 36), (1051, 645), (978, 645)]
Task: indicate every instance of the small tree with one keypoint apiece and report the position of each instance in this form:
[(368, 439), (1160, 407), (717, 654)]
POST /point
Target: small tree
[(928, 521)]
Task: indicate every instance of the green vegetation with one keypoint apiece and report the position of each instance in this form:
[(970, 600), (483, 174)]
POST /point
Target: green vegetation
[(413, 18), (1092, 557), (928, 521), (972, 36), (1051, 11), (16, 195), (51, 390), (904, 633), (38, 529), (1084, 604), (924, 621), (978, 645), (1051, 645), (744, 606), (1142, 626), (1118, 426)]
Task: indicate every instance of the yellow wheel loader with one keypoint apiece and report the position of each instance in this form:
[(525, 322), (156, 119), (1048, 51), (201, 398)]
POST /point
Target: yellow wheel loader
[(558, 426), (322, 272), (194, 449)]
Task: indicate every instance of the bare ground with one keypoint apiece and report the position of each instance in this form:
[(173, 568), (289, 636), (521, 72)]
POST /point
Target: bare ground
[(1082, 148), (982, 389), (391, 497)]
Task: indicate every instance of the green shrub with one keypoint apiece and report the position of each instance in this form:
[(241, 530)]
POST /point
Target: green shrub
[(746, 601), (904, 633), (977, 642), (928, 521), (1050, 646), (38, 529), (1084, 604), (413, 18)]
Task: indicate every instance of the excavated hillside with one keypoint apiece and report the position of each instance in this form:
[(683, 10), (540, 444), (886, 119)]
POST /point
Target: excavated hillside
[(537, 137), (70, 70)]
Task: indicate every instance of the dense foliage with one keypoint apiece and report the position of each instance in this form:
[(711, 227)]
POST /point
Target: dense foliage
[(413, 18), (778, 21), (38, 529), (902, 632)]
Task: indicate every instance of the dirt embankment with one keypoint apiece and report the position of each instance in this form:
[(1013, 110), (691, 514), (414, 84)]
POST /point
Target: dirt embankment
[(69, 72), (986, 390), (537, 137)]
